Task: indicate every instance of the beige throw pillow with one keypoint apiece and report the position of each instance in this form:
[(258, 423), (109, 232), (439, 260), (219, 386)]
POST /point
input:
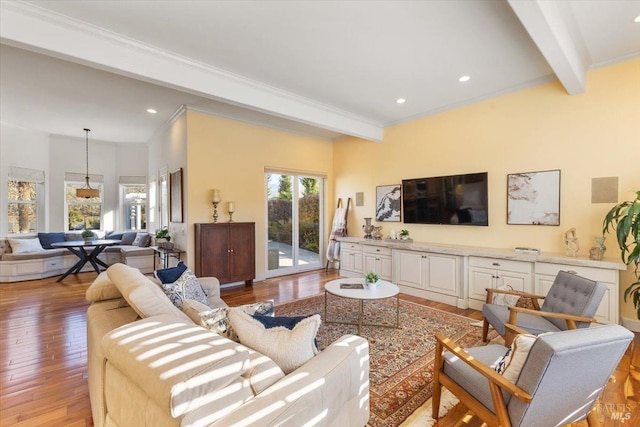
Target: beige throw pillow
[(289, 348)]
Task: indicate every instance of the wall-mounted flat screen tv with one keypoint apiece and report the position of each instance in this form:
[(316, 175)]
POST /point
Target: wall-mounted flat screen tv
[(454, 199)]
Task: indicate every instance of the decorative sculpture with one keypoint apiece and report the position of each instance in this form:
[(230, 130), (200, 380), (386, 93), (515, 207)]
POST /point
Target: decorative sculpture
[(571, 242)]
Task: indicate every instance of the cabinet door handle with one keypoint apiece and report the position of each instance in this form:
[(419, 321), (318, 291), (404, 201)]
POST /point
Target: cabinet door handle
[(497, 264)]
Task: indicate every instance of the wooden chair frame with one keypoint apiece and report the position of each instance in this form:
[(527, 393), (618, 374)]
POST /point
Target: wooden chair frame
[(497, 383), (513, 314)]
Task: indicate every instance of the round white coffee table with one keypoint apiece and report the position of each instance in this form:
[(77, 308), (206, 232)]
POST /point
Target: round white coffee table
[(355, 289)]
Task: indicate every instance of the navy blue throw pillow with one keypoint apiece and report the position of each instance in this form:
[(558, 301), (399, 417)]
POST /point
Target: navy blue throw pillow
[(288, 322), (272, 321), (170, 275), (46, 239), (112, 235)]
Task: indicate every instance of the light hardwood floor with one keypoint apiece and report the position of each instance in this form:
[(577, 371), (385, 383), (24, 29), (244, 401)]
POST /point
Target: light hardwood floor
[(43, 375)]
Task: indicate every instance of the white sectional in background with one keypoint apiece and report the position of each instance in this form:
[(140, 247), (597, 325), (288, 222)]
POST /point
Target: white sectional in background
[(458, 275)]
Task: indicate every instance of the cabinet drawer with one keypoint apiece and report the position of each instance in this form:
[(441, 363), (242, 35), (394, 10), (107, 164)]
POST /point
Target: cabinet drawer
[(378, 250), (53, 264), (500, 264), (354, 247), (597, 274), (30, 267)]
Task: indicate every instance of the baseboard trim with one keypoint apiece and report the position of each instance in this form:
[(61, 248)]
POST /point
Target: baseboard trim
[(631, 324)]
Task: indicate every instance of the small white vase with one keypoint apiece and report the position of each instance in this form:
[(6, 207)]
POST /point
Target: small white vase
[(371, 285)]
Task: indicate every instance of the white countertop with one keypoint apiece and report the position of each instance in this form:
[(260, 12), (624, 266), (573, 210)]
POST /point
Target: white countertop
[(501, 253)]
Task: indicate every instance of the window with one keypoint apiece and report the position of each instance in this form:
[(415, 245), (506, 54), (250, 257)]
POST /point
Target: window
[(83, 214), (134, 204), (25, 188)]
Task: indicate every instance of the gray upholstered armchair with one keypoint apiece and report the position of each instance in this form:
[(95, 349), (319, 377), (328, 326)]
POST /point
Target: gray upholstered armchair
[(562, 376), (571, 303)]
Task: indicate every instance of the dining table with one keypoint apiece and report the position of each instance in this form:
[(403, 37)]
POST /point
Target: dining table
[(79, 249)]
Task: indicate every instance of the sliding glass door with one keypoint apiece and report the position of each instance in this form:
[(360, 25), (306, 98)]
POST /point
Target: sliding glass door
[(295, 217)]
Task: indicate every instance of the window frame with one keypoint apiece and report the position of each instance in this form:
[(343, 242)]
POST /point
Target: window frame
[(77, 184), (37, 203), (124, 206)]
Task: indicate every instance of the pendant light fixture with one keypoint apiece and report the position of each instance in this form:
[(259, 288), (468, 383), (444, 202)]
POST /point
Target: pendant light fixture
[(87, 192)]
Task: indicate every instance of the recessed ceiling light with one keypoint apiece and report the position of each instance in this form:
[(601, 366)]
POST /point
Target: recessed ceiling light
[(464, 78), (151, 111), (400, 101), (637, 19)]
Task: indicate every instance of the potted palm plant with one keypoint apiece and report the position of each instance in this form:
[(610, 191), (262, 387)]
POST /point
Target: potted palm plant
[(624, 220)]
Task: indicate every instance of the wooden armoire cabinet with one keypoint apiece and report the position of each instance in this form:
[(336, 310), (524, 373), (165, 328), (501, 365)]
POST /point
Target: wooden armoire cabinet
[(226, 251)]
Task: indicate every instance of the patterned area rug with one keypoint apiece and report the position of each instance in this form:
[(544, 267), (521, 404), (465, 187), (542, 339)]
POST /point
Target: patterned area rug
[(401, 360)]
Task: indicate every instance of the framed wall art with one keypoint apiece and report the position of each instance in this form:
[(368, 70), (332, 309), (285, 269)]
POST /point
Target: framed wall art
[(175, 196), (533, 198), (388, 203)]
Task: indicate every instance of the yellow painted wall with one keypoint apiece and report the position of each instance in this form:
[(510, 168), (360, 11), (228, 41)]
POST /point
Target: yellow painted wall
[(595, 134), (232, 156)]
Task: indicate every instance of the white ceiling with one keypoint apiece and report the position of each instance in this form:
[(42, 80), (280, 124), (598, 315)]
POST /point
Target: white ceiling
[(322, 68)]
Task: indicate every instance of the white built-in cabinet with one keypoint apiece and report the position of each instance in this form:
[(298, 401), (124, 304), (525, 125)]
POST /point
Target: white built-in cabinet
[(378, 259), (495, 273), (608, 310), (460, 275), (429, 272), (351, 261)]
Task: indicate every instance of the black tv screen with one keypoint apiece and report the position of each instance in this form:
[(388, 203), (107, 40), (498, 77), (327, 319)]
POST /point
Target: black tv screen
[(454, 199)]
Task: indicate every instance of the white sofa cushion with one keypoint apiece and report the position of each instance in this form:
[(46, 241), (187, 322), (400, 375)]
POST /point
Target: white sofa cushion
[(144, 296), (178, 365), (102, 289)]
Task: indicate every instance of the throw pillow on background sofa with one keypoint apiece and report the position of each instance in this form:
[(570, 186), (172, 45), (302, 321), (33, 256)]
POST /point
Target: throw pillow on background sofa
[(46, 239), (25, 246), (141, 240)]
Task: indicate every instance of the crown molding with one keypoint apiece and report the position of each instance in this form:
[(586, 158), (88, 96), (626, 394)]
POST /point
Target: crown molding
[(33, 28)]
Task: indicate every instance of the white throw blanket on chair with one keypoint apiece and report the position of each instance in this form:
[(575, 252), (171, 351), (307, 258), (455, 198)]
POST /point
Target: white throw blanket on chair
[(338, 229)]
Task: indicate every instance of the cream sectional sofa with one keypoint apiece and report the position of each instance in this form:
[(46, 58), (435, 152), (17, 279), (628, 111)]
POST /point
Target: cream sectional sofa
[(52, 262), (150, 365)]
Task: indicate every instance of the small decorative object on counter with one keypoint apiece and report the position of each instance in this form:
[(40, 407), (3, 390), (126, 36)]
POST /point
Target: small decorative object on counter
[(404, 234), (571, 242), (377, 232), (371, 280), (597, 252), (367, 228)]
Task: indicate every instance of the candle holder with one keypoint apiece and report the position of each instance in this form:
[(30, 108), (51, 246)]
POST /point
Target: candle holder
[(215, 211), (231, 208), (216, 199)]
